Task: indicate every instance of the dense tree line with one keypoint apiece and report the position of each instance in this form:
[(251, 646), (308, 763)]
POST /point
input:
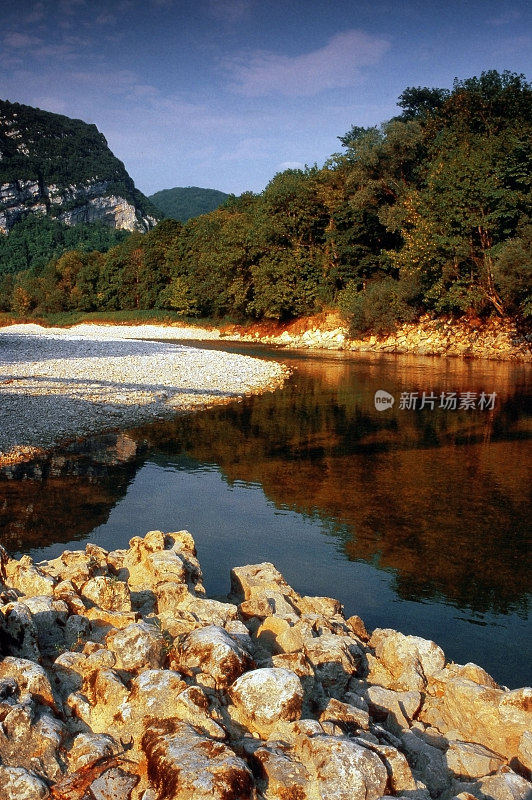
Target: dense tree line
[(429, 212)]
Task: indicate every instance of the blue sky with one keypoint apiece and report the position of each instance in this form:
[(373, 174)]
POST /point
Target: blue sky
[(225, 93)]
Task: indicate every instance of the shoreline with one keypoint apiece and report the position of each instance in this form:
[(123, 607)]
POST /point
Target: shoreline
[(58, 385), (266, 695), (494, 339)]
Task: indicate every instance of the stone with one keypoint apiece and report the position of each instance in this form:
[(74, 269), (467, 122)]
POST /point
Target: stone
[(19, 632), (400, 775), (107, 593), (90, 747), (401, 706), (27, 578), (105, 693), (192, 705), (153, 694), (524, 751), (410, 660), (114, 784), (264, 697), (342, 769), (284, 778), (350, 716), (137, 647), (335, 660), (254, 579), (468, 760), (182, 763), (213, 652), (492, 717), (503, 786), (17, 783), (427, 762), (30, 678), (50, 617)]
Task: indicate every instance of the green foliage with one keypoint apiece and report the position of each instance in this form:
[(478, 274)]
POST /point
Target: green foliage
[(32, 242), (185, 202), (378, 308), (430, 212)]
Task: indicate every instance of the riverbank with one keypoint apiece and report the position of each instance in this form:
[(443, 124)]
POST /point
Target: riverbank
[(58, 384), (120, 677), (494, 339)]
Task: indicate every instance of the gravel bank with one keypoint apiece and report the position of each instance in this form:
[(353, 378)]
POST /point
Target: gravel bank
[(58, 384)]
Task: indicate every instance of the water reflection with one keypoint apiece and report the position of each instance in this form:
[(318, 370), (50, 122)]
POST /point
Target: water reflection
[(434, 502)]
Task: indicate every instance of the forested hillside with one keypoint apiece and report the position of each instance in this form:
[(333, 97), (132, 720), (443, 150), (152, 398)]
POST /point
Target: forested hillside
[(62, 167), (430, 212), (185, 202)]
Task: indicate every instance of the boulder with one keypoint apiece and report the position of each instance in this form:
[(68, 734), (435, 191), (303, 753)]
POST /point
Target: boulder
[(503, 786), (30, 678), (18, 632), (183, 763), (109, 594), (495, 718), (90, 747), (211, 652), (468, 760), (267, 696), (137, 647), (341, 769), (409, 660), (153, 695), (17, 783)]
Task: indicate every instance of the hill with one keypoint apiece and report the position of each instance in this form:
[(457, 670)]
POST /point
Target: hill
[(63, 168), (185, 202)]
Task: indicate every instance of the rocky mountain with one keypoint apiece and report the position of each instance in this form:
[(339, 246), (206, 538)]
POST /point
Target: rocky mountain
[(184, 202), (51, 164)]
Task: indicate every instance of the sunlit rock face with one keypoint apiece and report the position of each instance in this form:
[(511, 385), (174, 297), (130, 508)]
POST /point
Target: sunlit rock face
[(51, 164)]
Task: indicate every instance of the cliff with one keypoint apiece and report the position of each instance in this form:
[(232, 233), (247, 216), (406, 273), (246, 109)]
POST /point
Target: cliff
[(51, 164)]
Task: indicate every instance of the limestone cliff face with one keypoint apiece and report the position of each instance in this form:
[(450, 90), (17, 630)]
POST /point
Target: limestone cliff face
[(50, 164)]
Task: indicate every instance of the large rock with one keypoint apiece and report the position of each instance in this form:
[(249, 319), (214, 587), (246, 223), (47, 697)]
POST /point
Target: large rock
[(107, 593), (342, 769), (211, 652), (137, 647), (469, 760), (153, 695), (17, 783), (407, 660), (182, 763), (267, 696), (491, 717)]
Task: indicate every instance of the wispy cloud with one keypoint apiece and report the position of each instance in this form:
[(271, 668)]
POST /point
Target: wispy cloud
[(290, 165), (230, 11), (20, 40), (505, 18), (338, 64)]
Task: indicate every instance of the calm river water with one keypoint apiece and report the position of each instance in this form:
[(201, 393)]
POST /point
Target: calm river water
[(416, 519)]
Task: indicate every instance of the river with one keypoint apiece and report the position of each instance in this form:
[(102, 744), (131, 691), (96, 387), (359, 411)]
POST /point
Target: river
[(414, 518)]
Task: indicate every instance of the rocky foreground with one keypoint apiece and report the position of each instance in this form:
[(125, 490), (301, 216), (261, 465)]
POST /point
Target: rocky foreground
[(120, 680)]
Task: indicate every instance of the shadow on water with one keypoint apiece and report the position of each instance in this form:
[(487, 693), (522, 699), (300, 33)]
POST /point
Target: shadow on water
[(415, 519)]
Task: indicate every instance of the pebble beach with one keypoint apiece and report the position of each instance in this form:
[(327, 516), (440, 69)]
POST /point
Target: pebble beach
[(58, 384)]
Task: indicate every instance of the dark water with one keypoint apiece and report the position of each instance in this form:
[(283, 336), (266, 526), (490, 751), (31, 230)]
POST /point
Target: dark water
[(414, 519)]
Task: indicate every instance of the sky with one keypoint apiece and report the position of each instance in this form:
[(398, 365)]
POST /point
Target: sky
[(225, 93)]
